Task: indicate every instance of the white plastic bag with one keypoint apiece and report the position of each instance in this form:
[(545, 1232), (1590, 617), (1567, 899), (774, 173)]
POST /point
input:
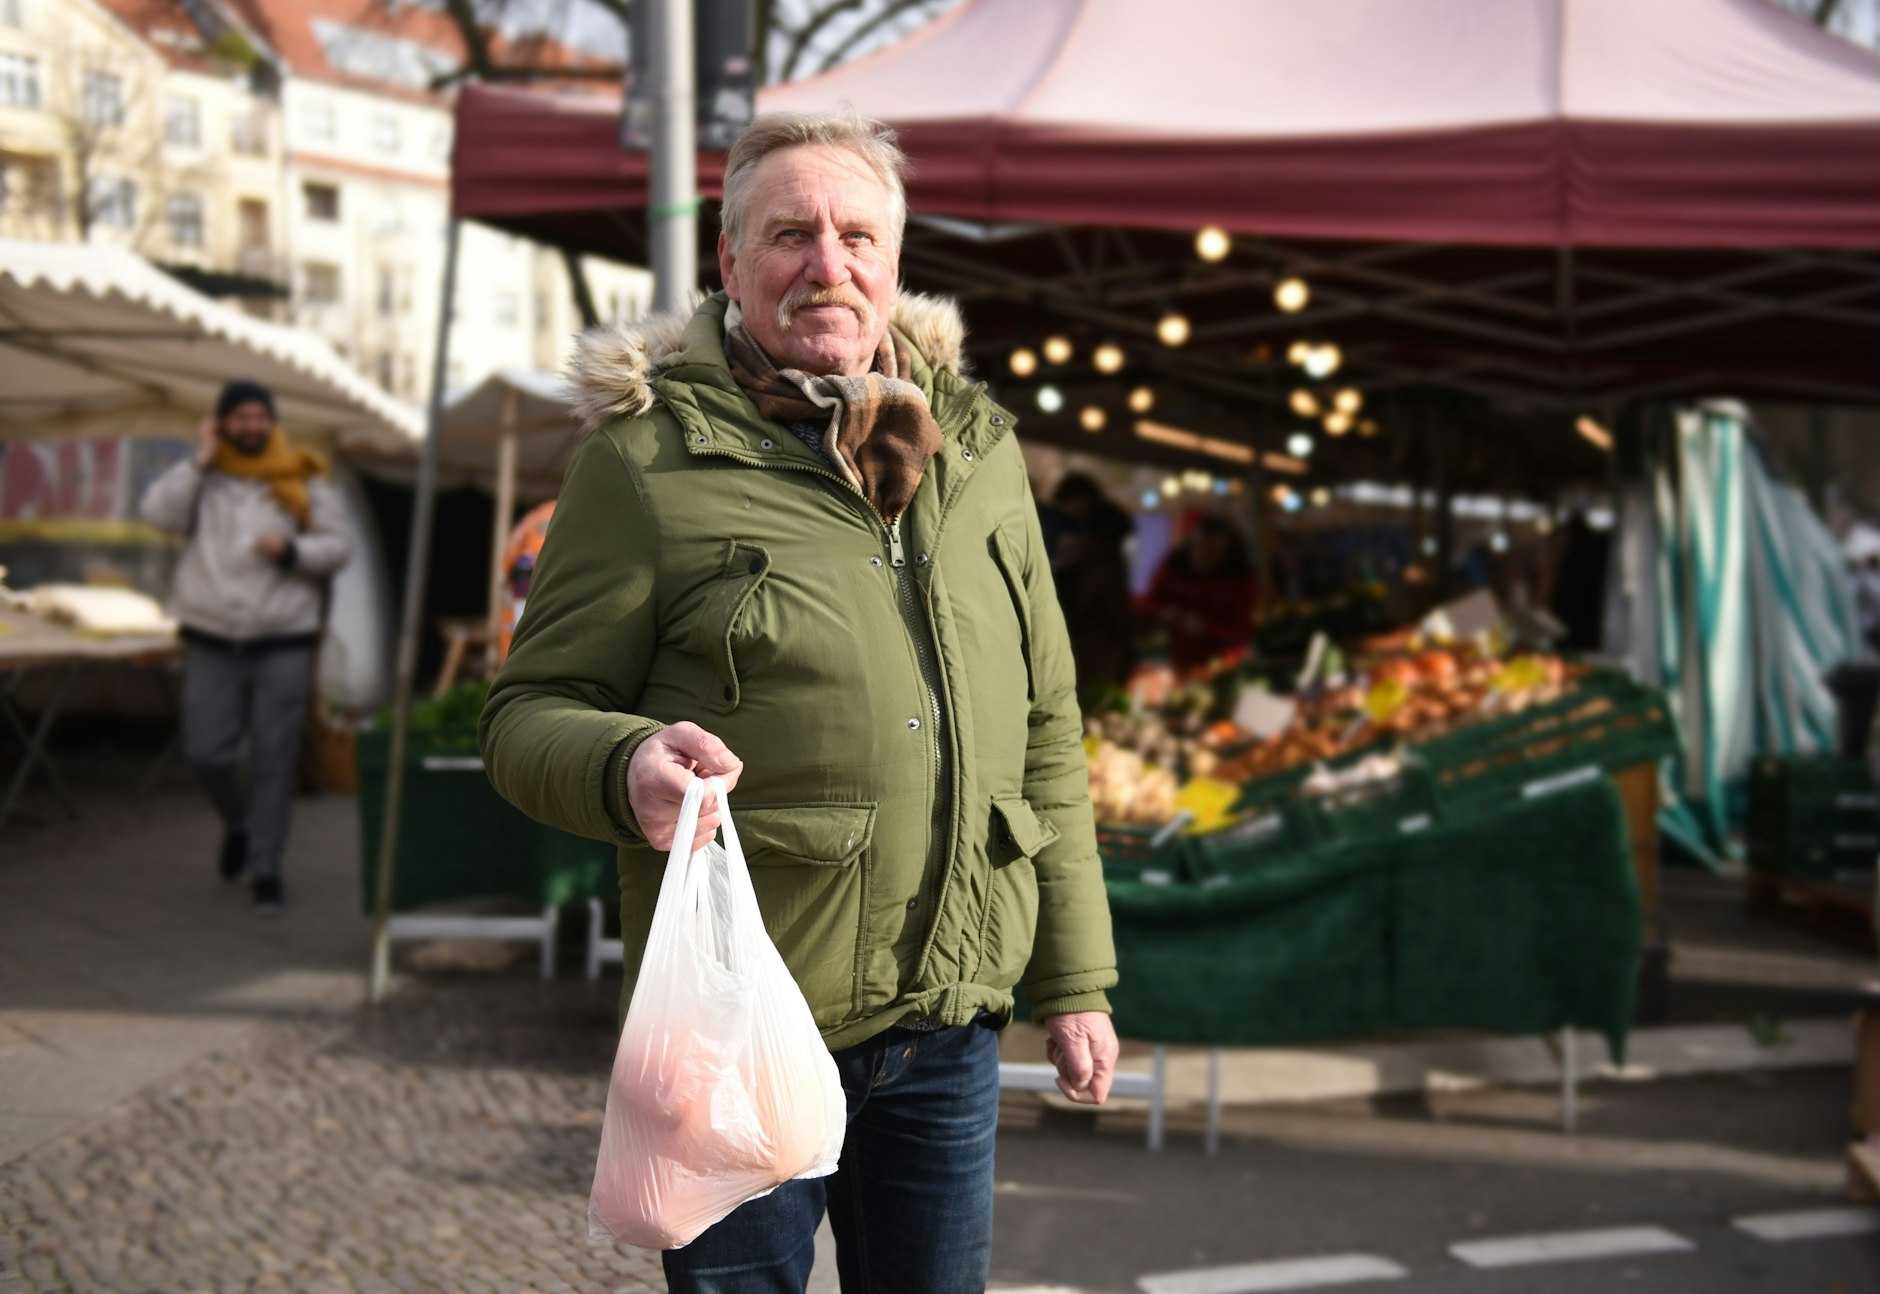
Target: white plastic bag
[(722, 1089)]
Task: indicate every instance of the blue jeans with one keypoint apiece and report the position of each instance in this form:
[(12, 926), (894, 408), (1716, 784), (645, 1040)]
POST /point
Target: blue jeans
[(911, 1204)]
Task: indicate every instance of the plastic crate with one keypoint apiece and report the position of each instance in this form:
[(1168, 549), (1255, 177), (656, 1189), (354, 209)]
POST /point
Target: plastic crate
[(458, 839), (1131, 854), (1813, 817), (1284, 827), (1401, 805), (1607, 723)]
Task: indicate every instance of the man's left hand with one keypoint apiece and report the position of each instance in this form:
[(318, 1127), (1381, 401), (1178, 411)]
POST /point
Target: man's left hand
[(1083, 1047)]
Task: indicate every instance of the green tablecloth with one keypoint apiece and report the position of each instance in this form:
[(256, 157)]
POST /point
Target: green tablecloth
[(1520, 919), (458, 839)]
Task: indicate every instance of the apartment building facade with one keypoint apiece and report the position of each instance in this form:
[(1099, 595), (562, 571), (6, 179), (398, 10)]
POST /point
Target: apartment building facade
[(292, 156)]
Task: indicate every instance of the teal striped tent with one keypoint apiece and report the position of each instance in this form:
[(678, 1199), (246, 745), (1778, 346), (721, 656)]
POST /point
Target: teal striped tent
[(1731, 593)]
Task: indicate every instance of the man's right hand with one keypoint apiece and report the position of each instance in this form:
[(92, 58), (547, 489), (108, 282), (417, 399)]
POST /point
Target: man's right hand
[(661, 768), (208, 439)]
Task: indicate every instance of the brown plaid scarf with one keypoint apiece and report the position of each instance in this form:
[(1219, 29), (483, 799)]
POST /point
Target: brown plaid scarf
[(880, 431)]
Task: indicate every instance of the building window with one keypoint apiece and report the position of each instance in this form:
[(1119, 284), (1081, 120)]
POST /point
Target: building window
[(254, 223), (385, 136), (407, 376), (508, 309), (322, 201), (112, 201), (19, 81), (440, 144), (12, 13), (185, 212), (388, 290), (102, 101), (248, 133), (317, 121), (322, 283), (386, 362), (182, 121)]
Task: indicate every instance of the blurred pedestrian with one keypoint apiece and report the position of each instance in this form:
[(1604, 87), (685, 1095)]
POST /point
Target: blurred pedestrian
[(1092, 574), (796, 532), (265, 534), (1205, 593)]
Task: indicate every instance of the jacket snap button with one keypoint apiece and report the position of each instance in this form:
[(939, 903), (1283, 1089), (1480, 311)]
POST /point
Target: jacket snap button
[(912, 904), (729, 693), (913, 725), (998, 420), (920, 559), (874, 561), (699, 440), (757, 566), (967, 454), (768, 443)]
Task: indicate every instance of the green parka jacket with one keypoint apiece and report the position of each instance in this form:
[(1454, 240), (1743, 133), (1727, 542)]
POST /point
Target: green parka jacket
[(914, 802)]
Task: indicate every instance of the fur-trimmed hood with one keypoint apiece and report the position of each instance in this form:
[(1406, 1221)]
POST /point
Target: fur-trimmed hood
[(612, 371)]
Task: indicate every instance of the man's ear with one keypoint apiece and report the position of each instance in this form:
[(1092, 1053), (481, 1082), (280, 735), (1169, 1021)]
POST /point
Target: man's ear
[(728, 268)]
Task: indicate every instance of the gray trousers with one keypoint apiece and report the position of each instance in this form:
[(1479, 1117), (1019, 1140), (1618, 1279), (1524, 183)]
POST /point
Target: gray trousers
[(258, 697)]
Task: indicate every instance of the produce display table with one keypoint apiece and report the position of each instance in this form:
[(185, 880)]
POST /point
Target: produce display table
[(459, 840), (31, 644)]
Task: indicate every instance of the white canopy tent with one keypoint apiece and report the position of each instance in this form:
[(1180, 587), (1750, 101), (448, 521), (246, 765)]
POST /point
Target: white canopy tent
[(97, 341)]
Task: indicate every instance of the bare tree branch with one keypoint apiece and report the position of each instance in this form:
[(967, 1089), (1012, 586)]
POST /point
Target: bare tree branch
[(894, 9), (813, 27), (476, 44)]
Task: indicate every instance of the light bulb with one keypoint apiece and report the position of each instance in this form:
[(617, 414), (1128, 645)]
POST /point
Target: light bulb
[(1499, 541), (1543, 524), (1321, 497), (1108, 358), (1057, 350), (1298, 353), (1349, 400), (1299, 445), (1281, 493), (1171, 487), (1304, 403), (1323, 361), (1213, 244), (1291, 294), (1092, 417), (1024, 361), (1141, 400), (1292, 502), (1336, 423), (1050, 399), (1367, 427), (1172, 329)]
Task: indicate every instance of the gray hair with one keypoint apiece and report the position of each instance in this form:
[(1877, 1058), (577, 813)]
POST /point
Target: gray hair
[(869, 140)]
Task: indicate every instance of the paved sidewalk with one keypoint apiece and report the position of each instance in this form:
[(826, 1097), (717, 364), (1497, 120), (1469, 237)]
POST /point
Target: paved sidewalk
[(123, 956)]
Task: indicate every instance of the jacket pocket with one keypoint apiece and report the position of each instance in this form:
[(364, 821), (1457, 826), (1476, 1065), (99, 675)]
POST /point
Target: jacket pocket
[(806, 864), (1017, 835), (1008, 554), (712, 632)]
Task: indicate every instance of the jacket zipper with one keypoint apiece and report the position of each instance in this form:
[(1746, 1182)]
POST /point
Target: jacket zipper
[(918, 630)]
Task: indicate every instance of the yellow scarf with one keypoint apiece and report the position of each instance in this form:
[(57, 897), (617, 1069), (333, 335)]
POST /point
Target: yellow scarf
[(285, 470)]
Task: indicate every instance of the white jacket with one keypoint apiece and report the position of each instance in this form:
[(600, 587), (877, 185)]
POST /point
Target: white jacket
[(223, 587)]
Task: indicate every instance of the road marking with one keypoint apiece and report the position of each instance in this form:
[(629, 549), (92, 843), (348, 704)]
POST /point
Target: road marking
[(1809, 1224), (1290, 1274), (1569, 1246)]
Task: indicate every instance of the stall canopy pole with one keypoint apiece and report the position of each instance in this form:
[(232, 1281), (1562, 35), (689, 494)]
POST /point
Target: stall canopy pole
[(672, 218), (506, 449), (419, 559)]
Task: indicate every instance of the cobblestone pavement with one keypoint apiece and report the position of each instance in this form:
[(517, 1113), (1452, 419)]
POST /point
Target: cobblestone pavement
[(441, 1142)]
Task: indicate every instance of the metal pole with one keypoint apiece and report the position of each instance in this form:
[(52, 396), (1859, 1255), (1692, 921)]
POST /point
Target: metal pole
[(672, 219), (409, 625)]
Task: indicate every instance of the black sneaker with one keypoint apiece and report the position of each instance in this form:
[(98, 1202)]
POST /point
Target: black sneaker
[(234, 855), (269, 902)]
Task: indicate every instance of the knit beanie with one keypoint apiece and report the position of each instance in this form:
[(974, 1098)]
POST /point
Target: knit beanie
[(240, 392)]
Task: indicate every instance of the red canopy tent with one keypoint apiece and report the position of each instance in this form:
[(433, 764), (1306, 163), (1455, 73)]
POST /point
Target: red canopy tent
[(1538, 123), (1558, 205)]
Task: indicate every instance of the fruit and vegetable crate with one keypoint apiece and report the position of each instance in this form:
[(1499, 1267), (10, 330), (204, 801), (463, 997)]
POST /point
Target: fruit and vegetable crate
[(1813, 817), (1149, 855), (1607, 723)]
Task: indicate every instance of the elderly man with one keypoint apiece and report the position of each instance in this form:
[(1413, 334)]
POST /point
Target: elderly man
[(797, 533)]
